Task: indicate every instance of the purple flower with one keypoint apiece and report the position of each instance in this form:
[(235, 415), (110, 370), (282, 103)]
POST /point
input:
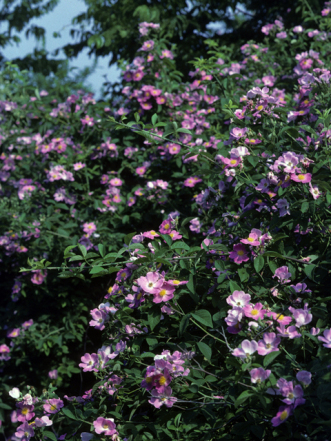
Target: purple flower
[(301, 316), (53, 374), (88, 362), (283, 413), (282, 274), (326, 339), (259, 374), (281, 34), (162, 396), (293, 394), (268, 344), (53, 405), (290, 332), (239, 254), (147, 46), (238, 132), (304, 377), (283, 207), (24, 431), (247, 348), (105, 426), (238, 298)]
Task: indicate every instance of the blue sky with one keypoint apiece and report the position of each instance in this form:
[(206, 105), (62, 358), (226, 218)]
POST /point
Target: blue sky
[(59, 20)]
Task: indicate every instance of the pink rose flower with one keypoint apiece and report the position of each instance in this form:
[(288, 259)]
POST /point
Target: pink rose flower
[(239, 254), (105, 426)]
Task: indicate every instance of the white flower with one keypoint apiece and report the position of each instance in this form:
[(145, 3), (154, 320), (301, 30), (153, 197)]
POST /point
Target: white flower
[(160, 357), (28, 399), (15, 393)]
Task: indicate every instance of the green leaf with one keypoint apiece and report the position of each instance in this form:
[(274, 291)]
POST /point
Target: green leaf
[(82, 249), (304, 207), (253, 160), (154, 119), (68, 249), (258, 263), (50, 435), (203, 316), (101, 249), (309, 271), (181, 245), (205, 350), (167, 239), (273, 266), (128, 237), (147, 354), (234, 287), (5, 406), (279, 236), (165, 262), (68, 413), (190, 284), (75, 258), (273, 254), (269, 358), (243, 274), (243, 397), (183, 324), (154, 319), (97, 269)]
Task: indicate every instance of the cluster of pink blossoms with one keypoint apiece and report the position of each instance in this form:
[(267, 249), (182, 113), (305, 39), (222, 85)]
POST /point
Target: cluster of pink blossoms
[(58, 172), (292, 396), (97, 362), (159, 376), (101, 315), (154, 283), (254, 239), (26, 412), (13, 334), (242, 308)]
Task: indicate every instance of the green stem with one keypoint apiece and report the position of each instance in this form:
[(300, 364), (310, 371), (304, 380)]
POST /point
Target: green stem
[(213, 336)]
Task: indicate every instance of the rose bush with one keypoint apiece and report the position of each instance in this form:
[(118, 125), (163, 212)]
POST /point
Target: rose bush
[(194, 221)]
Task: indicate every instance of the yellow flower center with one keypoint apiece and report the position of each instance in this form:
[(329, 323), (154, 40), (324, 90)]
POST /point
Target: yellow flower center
[(254, 312), (268, 345), (250, 239), (240, 253), (260, 108), (110, 289), (150, 285), (163, 292), (233, 161), (148, 379), (301, 177), (176, 282), (291, 396), (283, 415), (281, 317), (166, 227), (139, 296), (24, 411), (53, 407), (162, 381)]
